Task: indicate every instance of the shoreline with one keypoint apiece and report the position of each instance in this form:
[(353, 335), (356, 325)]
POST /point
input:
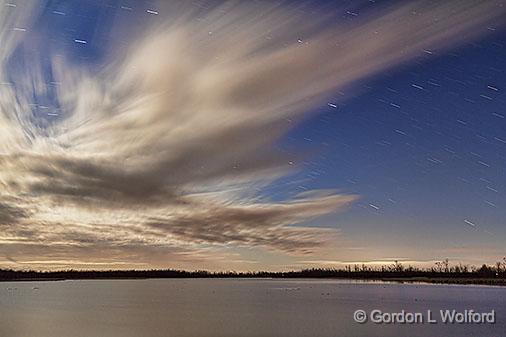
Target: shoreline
[(400, 280)]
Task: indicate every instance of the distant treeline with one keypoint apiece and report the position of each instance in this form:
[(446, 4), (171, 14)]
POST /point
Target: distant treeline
[(442, 271)]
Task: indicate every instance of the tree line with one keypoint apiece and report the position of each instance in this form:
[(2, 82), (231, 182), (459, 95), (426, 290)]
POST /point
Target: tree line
[(396, 270)]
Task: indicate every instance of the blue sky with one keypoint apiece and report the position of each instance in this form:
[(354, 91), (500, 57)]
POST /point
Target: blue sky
[(422, 144)]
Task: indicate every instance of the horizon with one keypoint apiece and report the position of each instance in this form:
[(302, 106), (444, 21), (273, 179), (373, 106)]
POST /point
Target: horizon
[(338, 266), (376, 267), (226, 136)]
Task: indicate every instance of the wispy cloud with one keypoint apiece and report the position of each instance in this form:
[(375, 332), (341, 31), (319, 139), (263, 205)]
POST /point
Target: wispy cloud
[(161, 149)]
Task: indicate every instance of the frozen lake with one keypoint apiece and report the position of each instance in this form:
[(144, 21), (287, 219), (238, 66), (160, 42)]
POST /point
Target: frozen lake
[(236, 308)]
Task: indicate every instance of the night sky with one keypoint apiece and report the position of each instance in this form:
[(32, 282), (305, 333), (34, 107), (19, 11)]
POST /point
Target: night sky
[(251, 136), (424, 146)]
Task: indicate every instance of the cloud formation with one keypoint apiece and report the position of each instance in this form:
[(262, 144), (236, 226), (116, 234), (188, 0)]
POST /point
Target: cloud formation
[(164, 148)]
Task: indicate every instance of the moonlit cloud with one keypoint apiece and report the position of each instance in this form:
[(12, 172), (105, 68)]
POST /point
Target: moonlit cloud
[(159, 154)]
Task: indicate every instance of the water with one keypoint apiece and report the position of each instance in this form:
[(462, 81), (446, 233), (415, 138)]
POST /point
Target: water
[(235, 308)]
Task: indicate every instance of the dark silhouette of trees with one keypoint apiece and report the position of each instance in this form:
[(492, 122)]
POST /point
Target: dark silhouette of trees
[(441, 272)]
